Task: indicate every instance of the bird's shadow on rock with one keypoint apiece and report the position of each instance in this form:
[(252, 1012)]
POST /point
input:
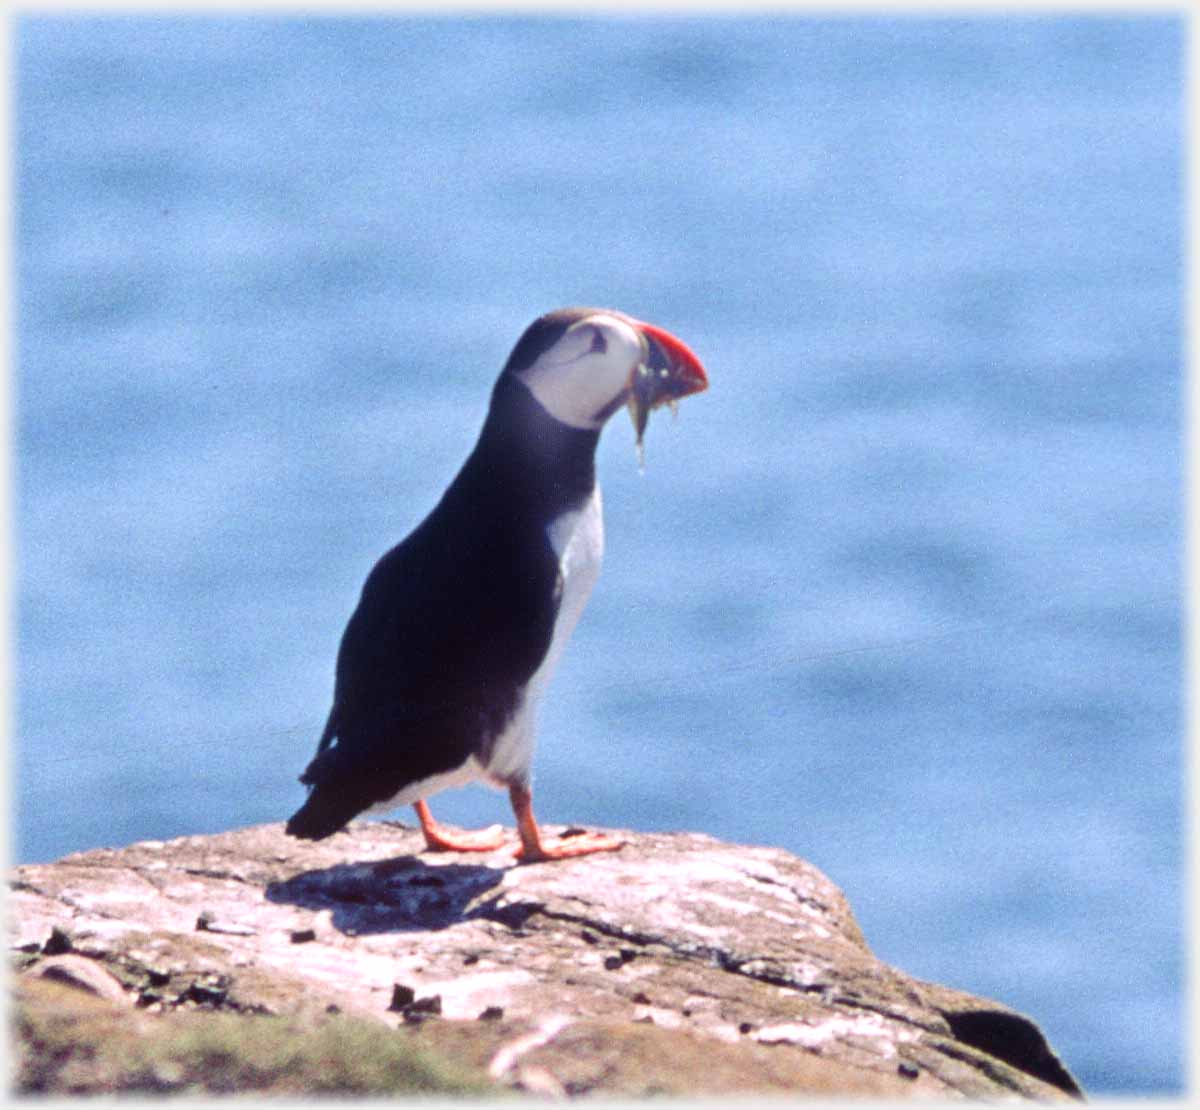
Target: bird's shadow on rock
[(404, 894)]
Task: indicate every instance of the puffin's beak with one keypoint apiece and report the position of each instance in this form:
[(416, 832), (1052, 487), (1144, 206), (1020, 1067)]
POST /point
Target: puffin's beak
[(668, 372)]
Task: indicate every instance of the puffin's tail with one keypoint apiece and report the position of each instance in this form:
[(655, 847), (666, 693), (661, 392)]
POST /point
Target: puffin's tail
[(322, 815), (327, 809)]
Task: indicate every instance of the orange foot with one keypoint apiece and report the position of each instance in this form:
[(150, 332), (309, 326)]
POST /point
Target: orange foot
[(438, 838), (563, 847), (534, 848)]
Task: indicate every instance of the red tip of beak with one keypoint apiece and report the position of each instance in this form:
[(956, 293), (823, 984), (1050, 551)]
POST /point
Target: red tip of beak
[(688, 371)]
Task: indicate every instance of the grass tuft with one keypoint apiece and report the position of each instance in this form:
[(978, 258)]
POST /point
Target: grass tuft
[(68, 1042)]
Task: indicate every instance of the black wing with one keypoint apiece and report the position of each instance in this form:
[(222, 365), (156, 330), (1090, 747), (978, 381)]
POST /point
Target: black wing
[(450, 627)]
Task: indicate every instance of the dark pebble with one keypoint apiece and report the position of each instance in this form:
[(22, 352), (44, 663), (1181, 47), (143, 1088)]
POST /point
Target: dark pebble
[(745, 1027), (588, 937), (56, 943), (908, 1071), (471, 958), (623, 957), (206, 923), (303, 936), (402, 996), (641, 998), (203, 995), (492, 1013)]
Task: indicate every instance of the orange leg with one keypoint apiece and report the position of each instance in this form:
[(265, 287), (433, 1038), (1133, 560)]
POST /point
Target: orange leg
[(534, 847), (438, 838)]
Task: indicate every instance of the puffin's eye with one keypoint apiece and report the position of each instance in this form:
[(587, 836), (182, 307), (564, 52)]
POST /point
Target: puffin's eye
[(599, 343)]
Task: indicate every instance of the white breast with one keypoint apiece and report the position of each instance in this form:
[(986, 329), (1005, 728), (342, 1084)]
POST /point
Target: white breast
[(578, 541), (577, 538)]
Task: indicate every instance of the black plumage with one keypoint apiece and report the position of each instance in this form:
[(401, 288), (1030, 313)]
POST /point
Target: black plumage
[(453, 621), (459, 626)]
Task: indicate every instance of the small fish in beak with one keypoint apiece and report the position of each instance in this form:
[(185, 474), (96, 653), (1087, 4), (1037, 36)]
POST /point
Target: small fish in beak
[(668, 372)]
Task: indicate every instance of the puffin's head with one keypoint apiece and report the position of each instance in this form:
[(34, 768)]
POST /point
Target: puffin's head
[(583, 364)]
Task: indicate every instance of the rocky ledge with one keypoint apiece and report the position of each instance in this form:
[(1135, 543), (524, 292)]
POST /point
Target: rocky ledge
[(680, 964)]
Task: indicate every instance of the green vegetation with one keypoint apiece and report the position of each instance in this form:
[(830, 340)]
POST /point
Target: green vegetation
[(69, 1042)]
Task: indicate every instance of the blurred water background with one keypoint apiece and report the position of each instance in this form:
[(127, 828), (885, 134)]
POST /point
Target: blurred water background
[(901, 593)]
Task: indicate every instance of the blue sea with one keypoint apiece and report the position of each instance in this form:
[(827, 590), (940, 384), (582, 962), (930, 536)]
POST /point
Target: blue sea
[(901, 593)]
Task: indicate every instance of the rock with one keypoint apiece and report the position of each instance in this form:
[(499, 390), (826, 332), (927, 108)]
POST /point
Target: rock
[(680, 964), (83, 974)]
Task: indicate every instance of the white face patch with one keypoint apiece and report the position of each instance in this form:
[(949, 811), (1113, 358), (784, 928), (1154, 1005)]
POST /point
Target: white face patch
[(578, 378)]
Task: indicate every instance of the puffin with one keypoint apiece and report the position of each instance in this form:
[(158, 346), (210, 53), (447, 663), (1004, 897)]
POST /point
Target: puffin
[(459, 627)]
